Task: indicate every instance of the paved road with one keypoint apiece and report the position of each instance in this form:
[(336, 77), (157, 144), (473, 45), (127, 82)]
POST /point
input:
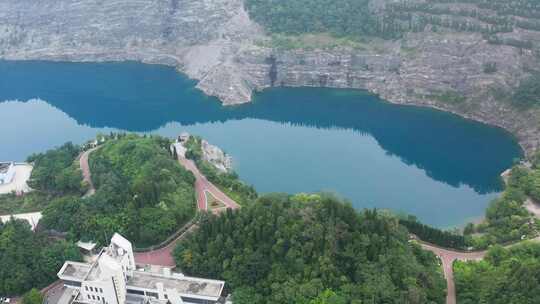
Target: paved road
[(85, 168), (163, 256), (202, 184), (449, 256)]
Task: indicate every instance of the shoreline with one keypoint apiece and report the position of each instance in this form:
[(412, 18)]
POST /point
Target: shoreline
[(527, 150)]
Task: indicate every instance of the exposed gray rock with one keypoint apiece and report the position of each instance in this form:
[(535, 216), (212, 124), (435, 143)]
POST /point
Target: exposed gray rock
[(215, 42), (216, 157)]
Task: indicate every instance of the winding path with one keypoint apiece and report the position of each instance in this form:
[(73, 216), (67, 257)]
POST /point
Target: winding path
[(448, 257), (85, 168), (163, 256), (202, 185)]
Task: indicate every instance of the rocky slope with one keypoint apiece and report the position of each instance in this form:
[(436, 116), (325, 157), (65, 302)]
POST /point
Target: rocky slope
[(215, 42)]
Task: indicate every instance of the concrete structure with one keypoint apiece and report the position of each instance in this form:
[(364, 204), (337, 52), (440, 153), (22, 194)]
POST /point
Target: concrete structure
[(32, 218), (180, 149), (13, 177), (114, 279), (7, 172)]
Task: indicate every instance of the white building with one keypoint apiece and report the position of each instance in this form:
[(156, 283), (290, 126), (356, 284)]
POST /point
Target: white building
[(114, 279), (7, 172)]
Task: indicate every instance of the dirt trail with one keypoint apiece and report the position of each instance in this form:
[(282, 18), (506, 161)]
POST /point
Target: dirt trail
[(85, 168)]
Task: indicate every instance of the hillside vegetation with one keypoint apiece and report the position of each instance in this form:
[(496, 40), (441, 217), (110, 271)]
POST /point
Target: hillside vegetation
[(507, 219), (311, 249), (30, 259), (55, 174), (392, 19), (56, 171), (141, 192), (505, 276)]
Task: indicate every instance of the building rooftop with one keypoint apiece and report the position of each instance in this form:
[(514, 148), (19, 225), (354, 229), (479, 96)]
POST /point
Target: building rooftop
[(88, 246), (182, 284), (75, 270)]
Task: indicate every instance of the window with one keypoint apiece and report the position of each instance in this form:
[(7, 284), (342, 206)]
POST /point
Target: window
[(137, 292), (88, 297), (86, 287), (91, 288), (152, 294), (101, 290), (93, 297), (98, 298), (72, 283)]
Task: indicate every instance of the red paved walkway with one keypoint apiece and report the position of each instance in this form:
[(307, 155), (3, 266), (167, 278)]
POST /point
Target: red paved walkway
[(163, 256)]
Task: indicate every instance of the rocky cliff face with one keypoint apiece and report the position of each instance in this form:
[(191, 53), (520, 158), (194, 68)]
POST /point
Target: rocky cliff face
[(215, 42), (215, 156)]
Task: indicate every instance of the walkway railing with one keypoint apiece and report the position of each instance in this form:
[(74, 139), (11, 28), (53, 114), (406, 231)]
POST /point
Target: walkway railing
[(172, 237)]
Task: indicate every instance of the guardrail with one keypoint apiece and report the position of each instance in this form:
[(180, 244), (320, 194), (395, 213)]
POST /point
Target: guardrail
[(174, 236)]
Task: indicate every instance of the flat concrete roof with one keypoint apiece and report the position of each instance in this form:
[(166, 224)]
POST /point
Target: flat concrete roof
[(18, 184), (182, 284), (75, 270)]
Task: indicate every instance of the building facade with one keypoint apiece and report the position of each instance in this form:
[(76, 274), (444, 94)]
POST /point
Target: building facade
[(114, 279)]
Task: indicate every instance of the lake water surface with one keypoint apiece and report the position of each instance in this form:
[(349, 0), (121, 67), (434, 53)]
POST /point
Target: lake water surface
[(435, 165)]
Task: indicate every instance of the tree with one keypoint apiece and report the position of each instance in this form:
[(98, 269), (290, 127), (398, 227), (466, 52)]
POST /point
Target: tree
[(32, 297), (299, 249)]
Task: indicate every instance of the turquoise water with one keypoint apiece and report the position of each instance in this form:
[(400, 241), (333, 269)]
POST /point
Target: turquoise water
[(438, 166)]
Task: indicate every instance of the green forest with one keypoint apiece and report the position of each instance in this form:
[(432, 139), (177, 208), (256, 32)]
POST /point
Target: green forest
[(55, 174), (55, 171), (311, 249), (507, 220), (30, 259), (141, 192), (358, 19), (505, 276), (433, 235)]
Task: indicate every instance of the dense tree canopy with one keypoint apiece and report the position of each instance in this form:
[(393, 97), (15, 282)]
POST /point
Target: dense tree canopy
[(55, 171), (433, 235), (311, 249), (505, 276), (393, 19), (142, 192), (32, 297), (30, 259), (528, 92), (506, 218), (341, 17)]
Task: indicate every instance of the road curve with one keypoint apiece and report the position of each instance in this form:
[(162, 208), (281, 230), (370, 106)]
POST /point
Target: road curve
[(85, 168), (447, 259), (202, 184), (163, 256)]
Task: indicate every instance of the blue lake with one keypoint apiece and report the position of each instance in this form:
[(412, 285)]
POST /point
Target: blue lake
[(435, 165)]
